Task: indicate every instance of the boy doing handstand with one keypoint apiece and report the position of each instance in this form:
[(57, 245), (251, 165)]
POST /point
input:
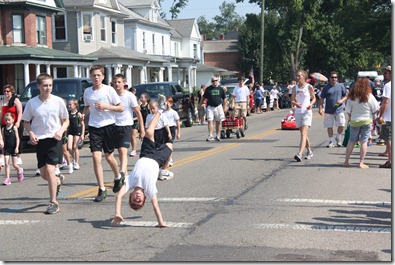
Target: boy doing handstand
[(142, 180)]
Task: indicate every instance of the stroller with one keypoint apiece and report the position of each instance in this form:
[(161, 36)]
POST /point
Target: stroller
[(232, 125), (289, 123)]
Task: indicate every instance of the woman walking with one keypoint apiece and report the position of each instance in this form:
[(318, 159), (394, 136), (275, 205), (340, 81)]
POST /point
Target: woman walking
[(361, 106), (303, 99)]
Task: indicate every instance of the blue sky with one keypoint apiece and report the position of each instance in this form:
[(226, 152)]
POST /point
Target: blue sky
[(209, 8)]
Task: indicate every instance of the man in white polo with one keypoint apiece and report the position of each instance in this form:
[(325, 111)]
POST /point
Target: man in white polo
[(241, 95)]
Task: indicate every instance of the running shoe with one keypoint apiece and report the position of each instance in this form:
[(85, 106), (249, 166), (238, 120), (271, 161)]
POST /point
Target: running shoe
[(171, 163), (133, 153), (38, 173), (61, 178), (217, 138), (2, 162), (165, 175), (76, 166), (118, 183), (7, 182), (58, 189), (210, 138), (57, 171), (20, 175), (70, 169), (101, 195), (330, 145), (339, 142), (386, 165), (309, 155), (298, 158), (53, 208)]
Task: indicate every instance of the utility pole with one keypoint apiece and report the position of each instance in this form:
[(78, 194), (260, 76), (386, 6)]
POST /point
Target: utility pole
[(262, 39)]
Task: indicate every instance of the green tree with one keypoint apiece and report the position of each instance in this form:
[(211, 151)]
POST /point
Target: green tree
[(325, 35), (207, 28), (175, 9), (227, 21)]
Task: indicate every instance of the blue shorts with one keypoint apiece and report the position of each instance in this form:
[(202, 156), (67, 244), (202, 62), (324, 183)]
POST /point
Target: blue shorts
[(360, 133)]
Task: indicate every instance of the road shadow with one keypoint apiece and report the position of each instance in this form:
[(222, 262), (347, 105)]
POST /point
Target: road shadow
[(101, 224)]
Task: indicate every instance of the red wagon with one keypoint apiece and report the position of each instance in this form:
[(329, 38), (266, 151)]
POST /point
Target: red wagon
[(232, 125)]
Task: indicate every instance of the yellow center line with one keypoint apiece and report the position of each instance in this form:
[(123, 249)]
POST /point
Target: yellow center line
[(93, 191)]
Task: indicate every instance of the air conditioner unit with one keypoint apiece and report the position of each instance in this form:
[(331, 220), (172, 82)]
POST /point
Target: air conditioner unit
[(87, 37)]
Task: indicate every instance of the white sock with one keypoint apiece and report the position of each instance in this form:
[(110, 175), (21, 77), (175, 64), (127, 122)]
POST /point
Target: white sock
[(331, 139)]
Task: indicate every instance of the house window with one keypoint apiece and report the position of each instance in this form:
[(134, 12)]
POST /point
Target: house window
[(163, 45), (195, 53), (144, 44), (59, 21), (17, 29), (87, 27), (113, 32), (103, 28), (153, 44), (176, 49), (41, 30)]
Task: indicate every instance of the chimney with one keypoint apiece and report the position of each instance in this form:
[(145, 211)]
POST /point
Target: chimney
[(221, 36)]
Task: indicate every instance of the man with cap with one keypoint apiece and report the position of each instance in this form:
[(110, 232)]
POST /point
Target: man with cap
[(385, 115)]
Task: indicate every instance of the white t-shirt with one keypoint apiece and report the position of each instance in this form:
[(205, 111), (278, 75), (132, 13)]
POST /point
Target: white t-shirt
[(144, 175), (46, 116), (387, 94), (241, 93), (106, 94), (274, 93), (172, 116), (125, 118), (362, 111), (303, 96), (163, 121)]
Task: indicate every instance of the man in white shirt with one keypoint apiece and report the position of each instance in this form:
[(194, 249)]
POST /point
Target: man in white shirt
[(241, 95), (385, 115)]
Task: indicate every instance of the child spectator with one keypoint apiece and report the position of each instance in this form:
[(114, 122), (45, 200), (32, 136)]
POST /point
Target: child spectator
[(75, 132), (174, 125), (11, 147), (161, 129)]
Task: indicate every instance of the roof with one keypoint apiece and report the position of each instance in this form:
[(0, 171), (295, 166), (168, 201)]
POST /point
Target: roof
[(220, 46), (125, 53), (20, 3), (183, 27), (27, 52)]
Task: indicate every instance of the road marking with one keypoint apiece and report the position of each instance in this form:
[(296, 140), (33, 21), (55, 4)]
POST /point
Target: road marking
[(336, 228), (190, 199), (373, 203), (153, 224), (93, 191), (19, 222)]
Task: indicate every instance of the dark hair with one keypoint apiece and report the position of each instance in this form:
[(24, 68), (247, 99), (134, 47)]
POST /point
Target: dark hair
[(96, 67)]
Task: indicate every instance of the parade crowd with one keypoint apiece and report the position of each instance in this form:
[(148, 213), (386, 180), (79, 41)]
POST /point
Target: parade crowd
[(115, 118)]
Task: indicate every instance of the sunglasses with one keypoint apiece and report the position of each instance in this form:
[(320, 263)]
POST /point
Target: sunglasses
[(7, 91), (214, 80), (334, 77)]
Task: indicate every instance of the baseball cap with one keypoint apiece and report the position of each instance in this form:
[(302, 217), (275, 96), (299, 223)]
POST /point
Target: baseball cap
[(388, 68)]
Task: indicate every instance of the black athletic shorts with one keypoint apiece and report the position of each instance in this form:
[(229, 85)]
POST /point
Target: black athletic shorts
[(102, 139), (49, 151), (151, 150), (123, 136)]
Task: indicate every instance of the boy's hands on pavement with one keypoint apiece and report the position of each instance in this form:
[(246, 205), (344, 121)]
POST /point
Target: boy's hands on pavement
[(117, 220)]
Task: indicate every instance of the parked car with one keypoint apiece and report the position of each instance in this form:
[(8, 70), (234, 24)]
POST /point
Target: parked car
[(183, 101), (66, 88)]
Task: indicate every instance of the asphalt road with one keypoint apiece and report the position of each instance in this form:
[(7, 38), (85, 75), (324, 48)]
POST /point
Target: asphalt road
[(236, 200)]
